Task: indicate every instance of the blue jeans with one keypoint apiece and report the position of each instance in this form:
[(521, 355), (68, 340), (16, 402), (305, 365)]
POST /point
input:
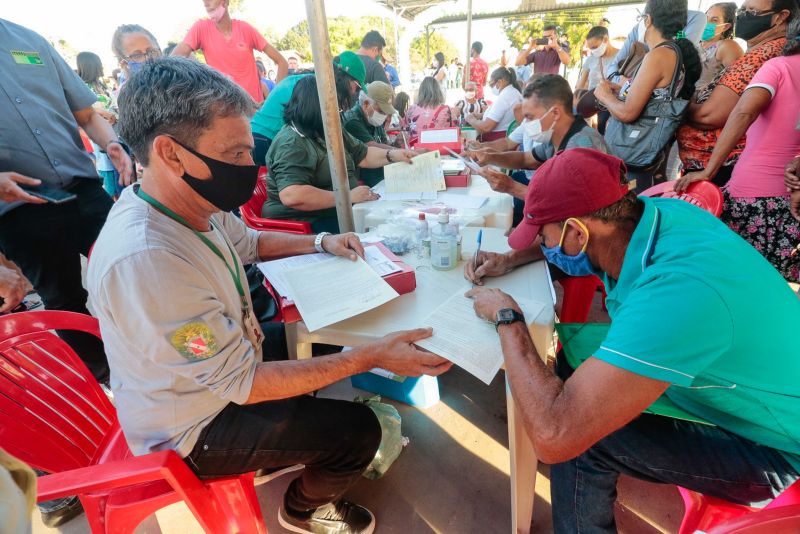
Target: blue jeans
[(698, 457)]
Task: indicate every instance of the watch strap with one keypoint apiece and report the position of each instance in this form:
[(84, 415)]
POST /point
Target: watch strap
[(318, 241), (515, 317)]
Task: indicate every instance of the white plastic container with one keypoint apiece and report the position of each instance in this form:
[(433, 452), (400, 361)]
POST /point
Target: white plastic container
[(444, 245)]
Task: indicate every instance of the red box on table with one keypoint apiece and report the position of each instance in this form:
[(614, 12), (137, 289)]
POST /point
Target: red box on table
[(403, 282)]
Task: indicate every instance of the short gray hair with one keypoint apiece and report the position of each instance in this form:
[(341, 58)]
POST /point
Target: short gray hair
[(125, 29), (176, 97)]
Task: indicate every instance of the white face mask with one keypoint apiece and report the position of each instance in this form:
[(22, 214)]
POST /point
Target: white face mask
[(642, 29), (495, 90), (377, 118), (599, 51), (533, 129)]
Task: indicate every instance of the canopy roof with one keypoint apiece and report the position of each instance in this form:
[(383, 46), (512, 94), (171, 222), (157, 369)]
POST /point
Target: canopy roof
[(532, 7), (409, 9)]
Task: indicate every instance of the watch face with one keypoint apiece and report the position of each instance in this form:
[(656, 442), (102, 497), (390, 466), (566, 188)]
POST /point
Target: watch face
[(505, 315)]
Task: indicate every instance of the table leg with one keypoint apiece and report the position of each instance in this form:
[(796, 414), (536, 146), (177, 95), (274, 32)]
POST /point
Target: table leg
[(298, 350), (523, 469)]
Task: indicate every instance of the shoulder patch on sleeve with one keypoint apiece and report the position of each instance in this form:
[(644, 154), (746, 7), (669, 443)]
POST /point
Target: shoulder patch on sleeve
[(194, 341)]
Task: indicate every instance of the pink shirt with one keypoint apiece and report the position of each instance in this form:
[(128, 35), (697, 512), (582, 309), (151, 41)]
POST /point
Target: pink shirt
[(774, 138), (232, 56)]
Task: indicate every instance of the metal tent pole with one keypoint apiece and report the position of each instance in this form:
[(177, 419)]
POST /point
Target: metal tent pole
[(469, 43), (326, 88)]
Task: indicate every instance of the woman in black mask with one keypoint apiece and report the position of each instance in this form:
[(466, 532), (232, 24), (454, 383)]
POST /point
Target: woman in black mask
[(762, 23)]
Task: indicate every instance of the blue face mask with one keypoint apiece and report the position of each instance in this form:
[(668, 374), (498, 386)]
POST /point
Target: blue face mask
[(134, 66), (578, 265), (709, 32)]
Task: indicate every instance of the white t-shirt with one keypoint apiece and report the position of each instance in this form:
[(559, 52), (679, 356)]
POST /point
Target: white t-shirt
[(502, 109), (171, 318), (518, 136), (592, 66)]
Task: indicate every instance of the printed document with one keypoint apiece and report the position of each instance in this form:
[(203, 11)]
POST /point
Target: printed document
[(467, 340), (380, 262), (423, 175), (443, 135), (408, 196), (330, 291), (275, 270)]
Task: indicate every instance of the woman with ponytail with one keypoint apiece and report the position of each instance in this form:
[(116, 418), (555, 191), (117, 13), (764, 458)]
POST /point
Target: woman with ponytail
[(661, 23), (500, 115)]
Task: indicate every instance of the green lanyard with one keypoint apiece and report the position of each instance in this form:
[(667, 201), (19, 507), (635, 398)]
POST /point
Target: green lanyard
[(235, 274)]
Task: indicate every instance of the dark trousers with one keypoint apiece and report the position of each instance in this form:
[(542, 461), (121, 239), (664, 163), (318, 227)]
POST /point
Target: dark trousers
[(702, 458), (336, 440), (46, 242), (519, 205), (261, 146)]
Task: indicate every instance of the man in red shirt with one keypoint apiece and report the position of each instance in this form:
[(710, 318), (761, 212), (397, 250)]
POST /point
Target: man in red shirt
[(478, 68), (228, 47)]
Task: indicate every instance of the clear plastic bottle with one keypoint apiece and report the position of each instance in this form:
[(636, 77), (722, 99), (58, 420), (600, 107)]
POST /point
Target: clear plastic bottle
[(443, 245), (423, 237)]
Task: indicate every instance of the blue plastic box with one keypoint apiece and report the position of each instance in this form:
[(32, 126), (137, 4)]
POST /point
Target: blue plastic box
[(422, 392)]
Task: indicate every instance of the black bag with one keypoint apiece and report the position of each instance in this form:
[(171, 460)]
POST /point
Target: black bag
[(640, 143)]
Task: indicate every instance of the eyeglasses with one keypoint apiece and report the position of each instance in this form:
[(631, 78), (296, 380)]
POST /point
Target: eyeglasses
[(138, 57), (753, 12)]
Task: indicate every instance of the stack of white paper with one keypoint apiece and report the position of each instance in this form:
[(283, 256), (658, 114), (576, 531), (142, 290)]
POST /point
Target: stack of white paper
[(462, 202), (334, 290)]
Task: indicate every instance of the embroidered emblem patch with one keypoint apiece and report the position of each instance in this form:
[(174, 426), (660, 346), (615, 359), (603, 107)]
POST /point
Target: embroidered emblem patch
[(194, 341)]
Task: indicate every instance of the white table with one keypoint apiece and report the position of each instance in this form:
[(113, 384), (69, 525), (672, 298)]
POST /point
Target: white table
[(498, 212), (433, 287)]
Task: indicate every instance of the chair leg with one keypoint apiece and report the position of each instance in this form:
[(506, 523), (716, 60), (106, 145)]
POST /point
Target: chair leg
[(238, 495), (95, 509)]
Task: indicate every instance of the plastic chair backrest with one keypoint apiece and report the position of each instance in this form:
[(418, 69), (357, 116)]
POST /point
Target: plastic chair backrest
[(703, 194), (251, 212), (47, 391)]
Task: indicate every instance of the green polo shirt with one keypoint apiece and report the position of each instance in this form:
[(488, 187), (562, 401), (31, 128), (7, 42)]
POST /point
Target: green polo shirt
[(357, 125), (296, 160), (268, 120), (697, 306)]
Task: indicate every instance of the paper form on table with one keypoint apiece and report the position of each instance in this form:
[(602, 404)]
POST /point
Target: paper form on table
[(412, 196), (380, 262), (424, 174), (467, 340), (275, 271), (462, 202), (330, 291)]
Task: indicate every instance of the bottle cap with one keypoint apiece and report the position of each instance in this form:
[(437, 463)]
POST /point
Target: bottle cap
[(421, 216), (444, 217)]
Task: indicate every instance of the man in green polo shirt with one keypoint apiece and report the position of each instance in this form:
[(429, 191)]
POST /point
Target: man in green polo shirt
[(698, 316), (365, 121)]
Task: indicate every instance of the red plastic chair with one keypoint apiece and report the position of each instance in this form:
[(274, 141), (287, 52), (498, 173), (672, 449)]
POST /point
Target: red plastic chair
[(579, 294), (251, 212), (703, 194), (55, 417), (709, 514)]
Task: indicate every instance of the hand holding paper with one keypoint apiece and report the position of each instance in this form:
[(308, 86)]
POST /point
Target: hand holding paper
[(424, 174)]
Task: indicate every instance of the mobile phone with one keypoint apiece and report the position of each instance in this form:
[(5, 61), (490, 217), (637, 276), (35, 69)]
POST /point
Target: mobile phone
[(50, 194), (543, 41)]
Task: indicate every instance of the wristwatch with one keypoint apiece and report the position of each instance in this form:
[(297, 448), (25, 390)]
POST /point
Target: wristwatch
[(507, 316), (318, 241)]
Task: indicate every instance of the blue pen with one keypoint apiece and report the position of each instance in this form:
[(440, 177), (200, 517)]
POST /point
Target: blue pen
[(477, 252)]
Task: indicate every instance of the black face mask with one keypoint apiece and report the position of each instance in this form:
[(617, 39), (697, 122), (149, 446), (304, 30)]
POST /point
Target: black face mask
[(748, 25), (229, 187)]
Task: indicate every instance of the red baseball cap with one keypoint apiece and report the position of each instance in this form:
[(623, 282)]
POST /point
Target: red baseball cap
[(572, 183)]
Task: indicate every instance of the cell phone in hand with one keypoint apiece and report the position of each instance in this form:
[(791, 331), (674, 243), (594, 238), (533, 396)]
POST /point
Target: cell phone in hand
[(50, 194), (543, 41)]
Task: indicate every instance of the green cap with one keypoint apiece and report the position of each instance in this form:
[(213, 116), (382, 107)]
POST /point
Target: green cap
[(352, 65)]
